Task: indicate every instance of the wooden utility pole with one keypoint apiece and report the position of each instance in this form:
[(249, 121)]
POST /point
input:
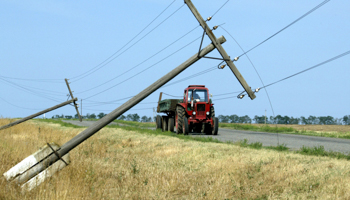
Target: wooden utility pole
[(75, 104), (221, 50), (91, 130), (37, 114)]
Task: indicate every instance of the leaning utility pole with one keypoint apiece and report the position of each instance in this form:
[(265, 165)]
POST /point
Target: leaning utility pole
[(221, 50), (33, 170), (37, 114), (75, 104)]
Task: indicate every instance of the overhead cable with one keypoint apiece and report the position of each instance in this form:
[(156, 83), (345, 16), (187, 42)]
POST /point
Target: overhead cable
[(295, 21), (140, 63), (315, 66), (113, 57), (144, 69)]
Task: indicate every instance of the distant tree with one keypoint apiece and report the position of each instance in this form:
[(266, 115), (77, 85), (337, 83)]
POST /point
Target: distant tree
[(312, 119), (68, 117), (92, 116), (272, 120), (294, 120), (259, 119), (346, 119), (223, 118), (122, 117), (304, 120), (101, 115), (234, 119), (144, 119), (245, 119), (76, 116), (133, 117), (327, 120)]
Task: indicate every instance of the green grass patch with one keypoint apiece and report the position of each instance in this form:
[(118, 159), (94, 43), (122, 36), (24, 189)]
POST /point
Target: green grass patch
[(58, 121), (137, 124), (285, 130), (318, 151), (264, 128)]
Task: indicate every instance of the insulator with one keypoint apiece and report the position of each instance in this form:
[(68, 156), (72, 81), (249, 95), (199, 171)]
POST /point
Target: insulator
[(215, 27), (235, 59), (209, 18), (257, 89), (222, 66)]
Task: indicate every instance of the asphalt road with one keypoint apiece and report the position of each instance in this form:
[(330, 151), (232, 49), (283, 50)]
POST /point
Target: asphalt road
[(268, 139)]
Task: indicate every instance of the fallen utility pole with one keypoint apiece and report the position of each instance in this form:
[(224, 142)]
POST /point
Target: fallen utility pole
[(37, 114), (221, 50), (75, 104), (23, 177)]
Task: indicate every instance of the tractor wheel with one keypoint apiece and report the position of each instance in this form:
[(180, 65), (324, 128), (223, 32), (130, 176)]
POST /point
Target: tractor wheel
[(212, 112), (185, 128), (158, 122), (165, 123), (208, 129), (216, 126), (171, 124), (179, 115)]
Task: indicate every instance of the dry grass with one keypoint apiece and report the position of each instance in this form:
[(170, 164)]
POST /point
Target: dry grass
[(316, 128), (119, 164)]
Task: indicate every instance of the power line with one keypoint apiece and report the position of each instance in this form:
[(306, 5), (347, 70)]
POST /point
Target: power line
[(262, 82), (315, 66), (191, 76), (309, 12), (28, 90), (111, 58), (144, 69), (33, 80), (141, 62), (19, 106), (220, 8)]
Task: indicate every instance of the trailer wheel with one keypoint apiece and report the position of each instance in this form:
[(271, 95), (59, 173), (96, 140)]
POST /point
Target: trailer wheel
[(158, 122), (179, 115), (165, 123), (171, 124), (216, 126), (185, 128)]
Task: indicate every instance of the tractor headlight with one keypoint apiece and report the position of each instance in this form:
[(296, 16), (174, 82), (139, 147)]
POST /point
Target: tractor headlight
[(207, 113), (194, 113)]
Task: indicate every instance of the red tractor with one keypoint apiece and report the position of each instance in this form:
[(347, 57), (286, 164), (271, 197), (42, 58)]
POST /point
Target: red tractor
[(194, 113)]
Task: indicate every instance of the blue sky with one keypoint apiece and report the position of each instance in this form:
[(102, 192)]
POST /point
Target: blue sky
[(54, 40)]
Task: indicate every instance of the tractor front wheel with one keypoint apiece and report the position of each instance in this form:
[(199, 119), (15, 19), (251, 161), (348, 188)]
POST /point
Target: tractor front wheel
[(216, 126), (179, 115), (185, 128)]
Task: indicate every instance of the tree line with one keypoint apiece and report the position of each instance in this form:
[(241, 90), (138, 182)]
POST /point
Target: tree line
[(279, 119), (322, 120), (130, 117)]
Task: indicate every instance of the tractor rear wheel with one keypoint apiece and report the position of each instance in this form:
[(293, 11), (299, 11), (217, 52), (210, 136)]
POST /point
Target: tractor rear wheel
[(216, 126), (158, 122), (171, 124), (179, 115), (165, 123), (185, 128)]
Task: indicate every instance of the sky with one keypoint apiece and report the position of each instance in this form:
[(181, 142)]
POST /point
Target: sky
[(110, 50)]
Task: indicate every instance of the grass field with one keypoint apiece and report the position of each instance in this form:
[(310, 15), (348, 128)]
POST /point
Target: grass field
[(127, 164), (335, 131)]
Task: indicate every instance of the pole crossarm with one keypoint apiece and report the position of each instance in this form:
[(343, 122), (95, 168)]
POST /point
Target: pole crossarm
[(75, 104), (37, 114), (221, 50)]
